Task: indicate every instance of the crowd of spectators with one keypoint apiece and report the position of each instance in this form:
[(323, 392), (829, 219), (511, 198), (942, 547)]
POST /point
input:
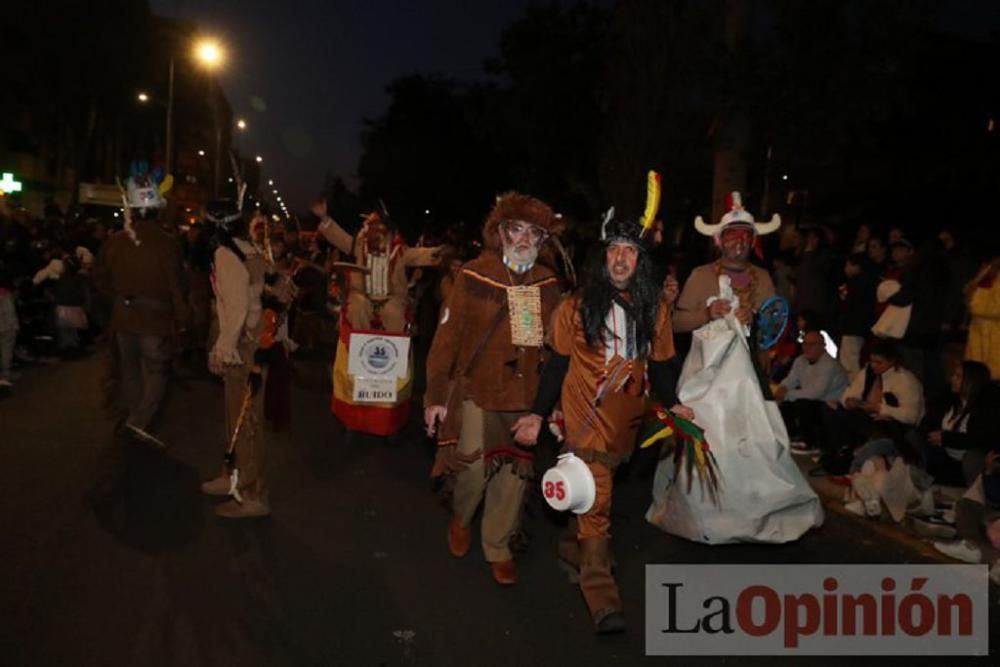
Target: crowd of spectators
[(916, 331)]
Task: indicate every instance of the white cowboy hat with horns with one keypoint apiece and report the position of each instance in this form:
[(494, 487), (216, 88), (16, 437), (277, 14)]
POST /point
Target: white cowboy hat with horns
[(737, 216)]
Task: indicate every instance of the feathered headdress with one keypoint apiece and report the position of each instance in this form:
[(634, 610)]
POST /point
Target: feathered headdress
[(612, 230), (143, 189)]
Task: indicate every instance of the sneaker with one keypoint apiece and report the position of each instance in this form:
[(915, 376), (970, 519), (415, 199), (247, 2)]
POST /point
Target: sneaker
[(801, 448), (962, 550), (924, 528), (145, 436)]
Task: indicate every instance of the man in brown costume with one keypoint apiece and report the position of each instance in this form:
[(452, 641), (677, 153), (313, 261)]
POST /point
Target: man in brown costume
[(607, 340), (482, 374), (139, 271), (384, 289)]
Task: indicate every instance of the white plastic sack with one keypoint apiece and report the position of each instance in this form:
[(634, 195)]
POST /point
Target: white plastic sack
[(763, 495)]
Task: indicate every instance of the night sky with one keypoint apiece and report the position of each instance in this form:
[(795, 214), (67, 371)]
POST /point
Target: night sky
[(320, 67), (304, 73)]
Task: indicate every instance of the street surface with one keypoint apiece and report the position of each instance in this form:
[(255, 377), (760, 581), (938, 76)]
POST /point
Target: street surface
[(112, 557)]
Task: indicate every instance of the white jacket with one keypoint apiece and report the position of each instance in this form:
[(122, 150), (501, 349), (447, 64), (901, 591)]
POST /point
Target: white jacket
[(899, 382)]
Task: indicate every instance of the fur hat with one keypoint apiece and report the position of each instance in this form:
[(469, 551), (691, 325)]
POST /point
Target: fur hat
[(516, 206)]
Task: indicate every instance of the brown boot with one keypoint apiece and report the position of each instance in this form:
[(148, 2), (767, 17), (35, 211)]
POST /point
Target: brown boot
[(249, 508), (504, 572), (216, 487), (569, 552), (598, 585), (459, 538)]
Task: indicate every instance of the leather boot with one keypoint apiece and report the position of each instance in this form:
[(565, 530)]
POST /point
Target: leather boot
[(459, 538), (504, 572), (599, 587), (216, 487), (569, 551), (249, 508)]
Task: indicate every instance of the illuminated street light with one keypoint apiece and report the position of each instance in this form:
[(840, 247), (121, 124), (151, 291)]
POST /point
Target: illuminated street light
[(209, 53), (784, 177), (270, 182), (259, 159), (143, 97), (201, 153), (242, 124)]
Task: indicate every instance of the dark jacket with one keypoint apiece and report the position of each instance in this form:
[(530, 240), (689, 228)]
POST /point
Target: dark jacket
[(857, 304), (980, 429), (925, 285), (142, 282)]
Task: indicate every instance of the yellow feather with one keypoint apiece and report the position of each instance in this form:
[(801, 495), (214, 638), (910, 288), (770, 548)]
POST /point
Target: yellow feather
[(665, 432), (653, 192)]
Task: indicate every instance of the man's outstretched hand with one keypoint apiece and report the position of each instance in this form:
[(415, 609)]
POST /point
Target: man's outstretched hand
[(318, 208)]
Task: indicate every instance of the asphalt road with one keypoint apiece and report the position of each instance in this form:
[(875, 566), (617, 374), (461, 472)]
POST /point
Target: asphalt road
[(350, 569)]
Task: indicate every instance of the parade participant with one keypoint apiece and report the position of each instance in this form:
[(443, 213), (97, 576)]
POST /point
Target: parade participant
[(238, 278), (762, 496), (607, 339), (482, 373), (735, 235), (139, 271), (381, 293)]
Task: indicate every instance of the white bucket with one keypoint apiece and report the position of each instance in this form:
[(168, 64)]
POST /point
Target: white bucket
[(569, 485)]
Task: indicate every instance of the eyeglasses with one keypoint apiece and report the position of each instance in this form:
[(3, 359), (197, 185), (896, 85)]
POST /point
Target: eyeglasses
[(517, 228)]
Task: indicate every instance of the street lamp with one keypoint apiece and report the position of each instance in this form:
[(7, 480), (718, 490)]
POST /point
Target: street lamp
[(242, 124), (270, 183), (259, 159), (210, 55), (143, 97)]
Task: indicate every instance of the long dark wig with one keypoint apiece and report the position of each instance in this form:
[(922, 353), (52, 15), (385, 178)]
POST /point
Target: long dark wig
[(224, 224), (598, 294)]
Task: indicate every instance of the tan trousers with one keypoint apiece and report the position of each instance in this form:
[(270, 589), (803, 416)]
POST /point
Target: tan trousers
[(392, 312), (250, 444), (503, 491)]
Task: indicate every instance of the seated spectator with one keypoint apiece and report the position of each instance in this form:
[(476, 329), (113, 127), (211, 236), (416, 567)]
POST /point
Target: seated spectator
[(884, 392), (815, 377), (953, 448), (977, 520), (857, 311)]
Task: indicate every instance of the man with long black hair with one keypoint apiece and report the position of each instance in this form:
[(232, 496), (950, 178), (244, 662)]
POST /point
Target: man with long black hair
[(607, 340), (238, 271)]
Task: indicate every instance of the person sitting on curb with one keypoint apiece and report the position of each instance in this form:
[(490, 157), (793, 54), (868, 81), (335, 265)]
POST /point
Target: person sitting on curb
[(815, 377), (884, 391)]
